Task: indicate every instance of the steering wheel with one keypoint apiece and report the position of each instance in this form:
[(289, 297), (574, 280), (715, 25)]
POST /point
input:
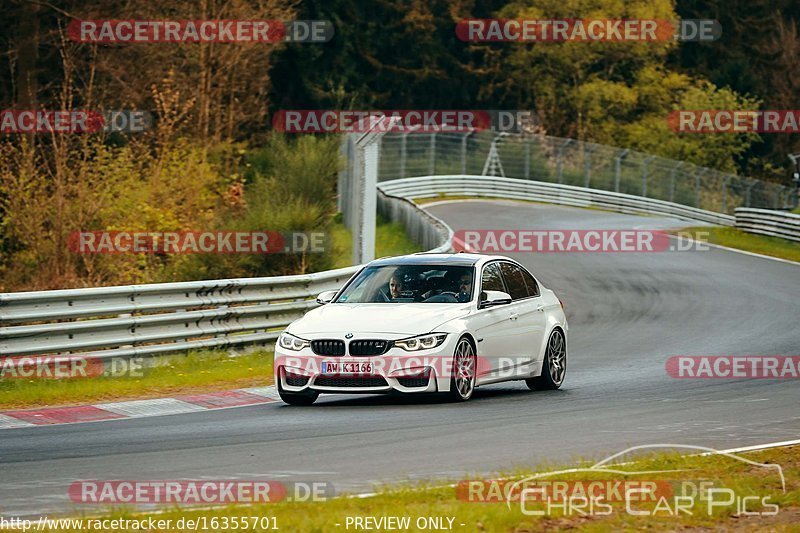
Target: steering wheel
[(444, 297), (458, 296)]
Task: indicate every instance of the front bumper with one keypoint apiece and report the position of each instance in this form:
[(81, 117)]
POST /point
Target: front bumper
[(424, 382), (423, 371)]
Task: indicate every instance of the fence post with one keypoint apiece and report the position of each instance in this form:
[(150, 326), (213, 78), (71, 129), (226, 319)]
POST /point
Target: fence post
[(403, 154), (560, 160), (433, 155), (672, 174), (345, 179), (645, 164), (587, 162), (618, 167), (725, 193), (527, 159), (697, 175), (367, 156), (464, 154)]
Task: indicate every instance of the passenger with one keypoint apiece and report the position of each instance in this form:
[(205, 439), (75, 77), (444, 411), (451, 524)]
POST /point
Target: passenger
[(464, 287), (459, 283)]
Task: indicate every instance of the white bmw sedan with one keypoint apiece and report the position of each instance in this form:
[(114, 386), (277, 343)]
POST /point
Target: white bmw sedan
[(426, 323)]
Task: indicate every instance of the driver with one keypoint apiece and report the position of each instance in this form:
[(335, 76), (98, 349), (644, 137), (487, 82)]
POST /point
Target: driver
[(396, 285)]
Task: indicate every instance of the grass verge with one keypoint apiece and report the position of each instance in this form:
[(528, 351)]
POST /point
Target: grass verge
[(684, 474), (749, 242), (195, 372)]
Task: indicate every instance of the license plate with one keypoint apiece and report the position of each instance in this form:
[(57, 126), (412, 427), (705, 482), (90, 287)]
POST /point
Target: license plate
[(346, 368)]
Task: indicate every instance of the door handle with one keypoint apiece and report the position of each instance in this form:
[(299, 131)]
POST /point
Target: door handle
[(540, 307), (514, 316)]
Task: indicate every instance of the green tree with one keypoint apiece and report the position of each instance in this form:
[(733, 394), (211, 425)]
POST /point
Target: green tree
[(617, 93)]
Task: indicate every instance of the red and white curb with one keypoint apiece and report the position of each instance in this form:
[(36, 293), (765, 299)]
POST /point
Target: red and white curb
[(190, 403)]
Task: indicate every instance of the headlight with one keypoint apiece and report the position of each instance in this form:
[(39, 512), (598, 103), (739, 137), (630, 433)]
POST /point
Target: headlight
[(422, 342), (290, 342)]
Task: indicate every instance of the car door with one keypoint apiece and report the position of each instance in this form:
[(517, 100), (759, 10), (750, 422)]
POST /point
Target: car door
[(492, 325), (540, 323), (526, 315)]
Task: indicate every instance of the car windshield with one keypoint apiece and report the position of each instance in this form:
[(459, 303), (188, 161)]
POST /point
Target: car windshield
[(410, 283)]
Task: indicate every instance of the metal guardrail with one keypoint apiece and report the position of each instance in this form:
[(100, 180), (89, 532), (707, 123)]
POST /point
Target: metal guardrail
[(766, 222), (421, 227), (145, 320), (137, 320), (489, 186)]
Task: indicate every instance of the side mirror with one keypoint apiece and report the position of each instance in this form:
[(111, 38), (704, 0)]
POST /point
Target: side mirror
[(326, 297), (493, 298)]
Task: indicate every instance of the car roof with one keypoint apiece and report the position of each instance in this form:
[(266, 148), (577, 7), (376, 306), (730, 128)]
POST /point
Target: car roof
[(455, 259)]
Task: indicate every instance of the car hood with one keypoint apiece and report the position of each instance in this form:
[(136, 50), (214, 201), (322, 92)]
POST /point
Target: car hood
[(388, 318)]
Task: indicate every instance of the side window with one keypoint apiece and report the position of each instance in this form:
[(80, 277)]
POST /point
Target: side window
[(533, 287), (514, 280), (492, 279)]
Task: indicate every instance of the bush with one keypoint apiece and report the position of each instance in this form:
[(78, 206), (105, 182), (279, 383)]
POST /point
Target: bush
[(289, 185)]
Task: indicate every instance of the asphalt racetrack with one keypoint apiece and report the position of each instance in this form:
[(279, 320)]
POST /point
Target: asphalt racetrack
[(628, 312)]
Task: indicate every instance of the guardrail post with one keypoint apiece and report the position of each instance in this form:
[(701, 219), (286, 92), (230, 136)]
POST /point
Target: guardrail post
[(618, 167), (560, 160)]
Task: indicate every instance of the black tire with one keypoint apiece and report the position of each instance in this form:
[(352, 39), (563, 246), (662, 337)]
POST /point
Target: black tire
[(460, 389), (297, 398), (554, 366)]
